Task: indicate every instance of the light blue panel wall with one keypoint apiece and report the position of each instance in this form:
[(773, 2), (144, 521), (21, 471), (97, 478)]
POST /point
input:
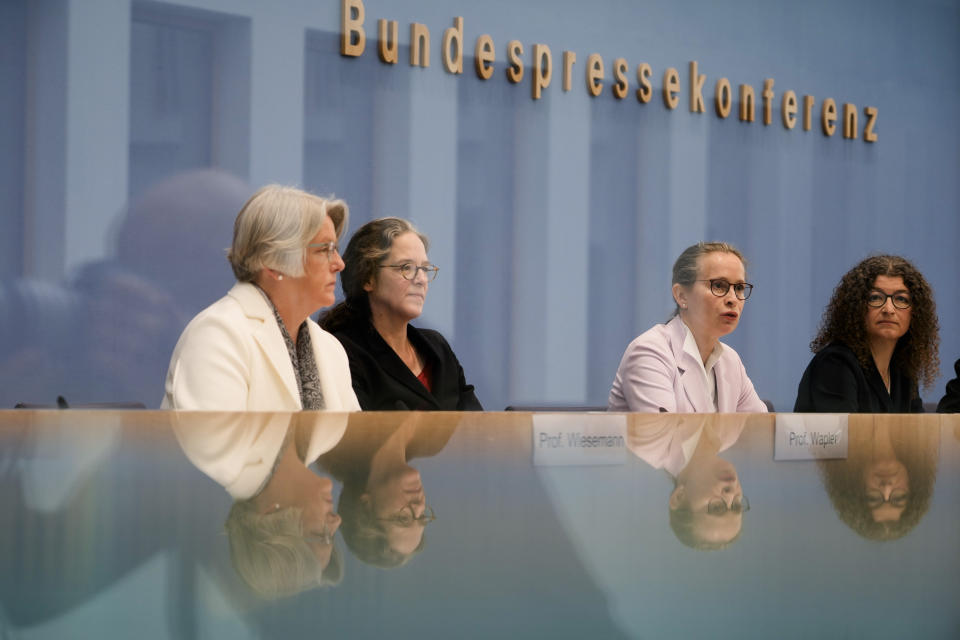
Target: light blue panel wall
[(97, 118), (555, 221), (13, 62), (433, 188)]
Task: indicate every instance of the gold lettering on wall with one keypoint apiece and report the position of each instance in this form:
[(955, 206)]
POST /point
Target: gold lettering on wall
[(514, 55), (767, 101), (671, 88), (419, 45), (353, 39), (869, 135), (620, 86), (483, 56), (828, 116), (388, 52), (569, 57), (353, 44), (808, 112), (788, 109), (696, 88), (644, 88), (746, 103), (542, 69), (723, 98), (849, 121), (453, 38), (594, 74)]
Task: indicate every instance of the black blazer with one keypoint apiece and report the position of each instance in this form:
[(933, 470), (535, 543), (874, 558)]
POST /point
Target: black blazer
[(950, 403), (383, 382), (836, 382)]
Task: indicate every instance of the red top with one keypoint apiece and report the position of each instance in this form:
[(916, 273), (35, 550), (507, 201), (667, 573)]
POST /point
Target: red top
[(425, 378)]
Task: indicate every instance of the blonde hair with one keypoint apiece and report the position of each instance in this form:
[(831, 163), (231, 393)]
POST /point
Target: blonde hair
[(685, 268), (275, 226), (270, 554)]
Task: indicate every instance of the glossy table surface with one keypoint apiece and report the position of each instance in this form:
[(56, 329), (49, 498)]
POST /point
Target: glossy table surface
[(116, 526)]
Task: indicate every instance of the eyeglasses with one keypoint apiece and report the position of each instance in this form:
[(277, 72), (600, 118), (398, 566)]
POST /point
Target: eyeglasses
[(407, 517), (329, 248), (898, 498), (877, 299), (718, 506), (719, 288), (409, 270), (324, 537)]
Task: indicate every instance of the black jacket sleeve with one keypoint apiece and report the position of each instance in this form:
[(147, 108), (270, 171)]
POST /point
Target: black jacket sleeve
[(950, 403), (831, 384)]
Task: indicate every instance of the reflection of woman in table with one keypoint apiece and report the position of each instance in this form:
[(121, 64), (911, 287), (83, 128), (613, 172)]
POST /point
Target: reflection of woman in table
[(282, 523), (884, 487), (707, 503), (383, 502)]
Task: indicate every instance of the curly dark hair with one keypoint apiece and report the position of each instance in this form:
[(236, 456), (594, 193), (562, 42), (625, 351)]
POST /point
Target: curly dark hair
[(916, 353), (916, 446)]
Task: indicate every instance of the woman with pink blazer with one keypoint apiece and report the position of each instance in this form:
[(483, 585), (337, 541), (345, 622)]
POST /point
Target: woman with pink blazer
[(682, 366)]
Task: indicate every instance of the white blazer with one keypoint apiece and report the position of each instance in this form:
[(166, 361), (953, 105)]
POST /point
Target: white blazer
[(239, 450), (657, 374), (232, 357)]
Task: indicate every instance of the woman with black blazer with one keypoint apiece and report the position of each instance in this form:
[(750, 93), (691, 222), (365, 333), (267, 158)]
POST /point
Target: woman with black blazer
[(878, 338), (950, 402), (394, 365)]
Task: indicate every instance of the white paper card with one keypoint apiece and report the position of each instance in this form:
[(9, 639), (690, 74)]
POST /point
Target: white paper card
[(810, 436), (579, 439)]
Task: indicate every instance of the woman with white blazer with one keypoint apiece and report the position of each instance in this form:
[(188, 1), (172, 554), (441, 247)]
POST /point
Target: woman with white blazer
[(257, 349)]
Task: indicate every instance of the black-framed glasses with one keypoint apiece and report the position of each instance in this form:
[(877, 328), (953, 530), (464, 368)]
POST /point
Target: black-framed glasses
[(719, 288), (407, 517), (718, 506), (329, 248), (877, 299), (409, 270), (898, 497), (324, 537)]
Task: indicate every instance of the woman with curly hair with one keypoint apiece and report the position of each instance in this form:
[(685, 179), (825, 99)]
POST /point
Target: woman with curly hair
[(878, 338)]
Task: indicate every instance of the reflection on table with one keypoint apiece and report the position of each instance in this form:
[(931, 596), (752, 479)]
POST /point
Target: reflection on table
[(178, 525)]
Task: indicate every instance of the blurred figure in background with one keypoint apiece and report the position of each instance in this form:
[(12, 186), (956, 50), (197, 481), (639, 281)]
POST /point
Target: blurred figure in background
[(950, 402), (108, 334)]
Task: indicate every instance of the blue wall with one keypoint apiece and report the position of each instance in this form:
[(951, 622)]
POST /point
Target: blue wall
[(555, 222)]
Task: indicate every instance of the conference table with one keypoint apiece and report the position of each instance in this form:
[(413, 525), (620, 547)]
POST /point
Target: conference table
[(150, 524)]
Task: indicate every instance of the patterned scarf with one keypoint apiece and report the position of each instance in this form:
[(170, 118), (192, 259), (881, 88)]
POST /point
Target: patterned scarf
[(304, 364)]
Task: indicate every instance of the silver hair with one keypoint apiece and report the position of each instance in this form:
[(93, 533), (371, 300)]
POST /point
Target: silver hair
[(275, 226)]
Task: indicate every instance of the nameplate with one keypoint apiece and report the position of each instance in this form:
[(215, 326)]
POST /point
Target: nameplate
[(579, 439), (810, 436)]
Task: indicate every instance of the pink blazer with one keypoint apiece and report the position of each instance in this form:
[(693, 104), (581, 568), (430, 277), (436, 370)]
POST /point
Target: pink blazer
[(656, 373), (658, 441)]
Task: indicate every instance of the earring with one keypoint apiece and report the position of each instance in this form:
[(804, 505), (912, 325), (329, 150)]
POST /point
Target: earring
[(280, 276)]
